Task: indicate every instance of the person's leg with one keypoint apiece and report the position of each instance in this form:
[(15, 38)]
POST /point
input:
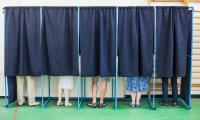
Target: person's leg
[(138, 96), (67, 95), (60, 91), (133, 97), (164, 91), (31, 91), (174, 90), (103, 90), (94, 90), (20, 90)]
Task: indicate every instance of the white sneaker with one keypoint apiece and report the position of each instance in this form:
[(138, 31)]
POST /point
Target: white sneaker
[(33, 103), (19, 102), (68, 104)]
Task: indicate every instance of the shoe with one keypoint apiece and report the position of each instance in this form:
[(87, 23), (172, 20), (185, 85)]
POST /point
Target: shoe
[(102, 104), (137, 105), (33, 103), (163, 104), (93, 105), (20, 103), (59, 103), (68, 104), (174, 104), (132, 105)]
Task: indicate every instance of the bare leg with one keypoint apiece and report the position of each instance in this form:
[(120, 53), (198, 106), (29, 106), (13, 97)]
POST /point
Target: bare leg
[(133, 97), (94, 90), (60, 91), (138, 98), (103, 91), (67, 95)]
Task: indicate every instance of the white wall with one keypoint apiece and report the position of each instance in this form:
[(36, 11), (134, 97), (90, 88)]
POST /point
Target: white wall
[(4, 3)]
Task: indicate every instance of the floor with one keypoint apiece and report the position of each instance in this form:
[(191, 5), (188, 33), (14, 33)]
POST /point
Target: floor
[(52, 112)]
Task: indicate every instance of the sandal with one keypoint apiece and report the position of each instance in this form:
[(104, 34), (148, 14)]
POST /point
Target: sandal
[(132, 105), (68, 104), (102, 104), (93, 105), (59, 103), (137, 105)]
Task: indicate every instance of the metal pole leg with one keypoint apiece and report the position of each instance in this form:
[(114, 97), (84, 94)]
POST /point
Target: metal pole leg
[(5, 91), (116, 72), (42, 84)]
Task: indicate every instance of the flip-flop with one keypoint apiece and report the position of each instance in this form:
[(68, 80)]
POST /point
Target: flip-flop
[(137, 105), (102, 104), (131, 105), (93, 105)]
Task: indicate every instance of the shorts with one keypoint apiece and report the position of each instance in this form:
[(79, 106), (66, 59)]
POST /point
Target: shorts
[(97, 78)]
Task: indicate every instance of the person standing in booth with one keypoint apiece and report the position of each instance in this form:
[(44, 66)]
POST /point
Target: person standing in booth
[(136, 86), (102, 92), (66, 84), (30, 90), (165, 91)]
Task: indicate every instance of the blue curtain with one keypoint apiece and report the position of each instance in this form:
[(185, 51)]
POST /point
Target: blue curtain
[(172, 37), (53, 50), (12, 94), (22, 45), (136, 29), (60, 41), (98, 41), (186, 81)]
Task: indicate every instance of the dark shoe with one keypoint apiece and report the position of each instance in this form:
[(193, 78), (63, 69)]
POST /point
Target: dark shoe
[(102, 104), (137, 105), (131, 105), (93, 105), (163, 104), (175, 104)]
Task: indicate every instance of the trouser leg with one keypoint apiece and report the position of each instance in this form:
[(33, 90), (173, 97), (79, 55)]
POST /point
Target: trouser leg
[(20, 89), (165, 89), (31, 89), (174, 89)]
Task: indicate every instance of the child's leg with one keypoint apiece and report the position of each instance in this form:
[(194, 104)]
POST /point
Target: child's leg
[(133, 97), (103, 91), (138, 98)]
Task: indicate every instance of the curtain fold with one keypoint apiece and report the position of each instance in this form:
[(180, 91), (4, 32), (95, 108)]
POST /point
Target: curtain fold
[(172, 37), (12, 89), (136, 29), (60, 41), (98, 41), (186, 81), (22, 45)]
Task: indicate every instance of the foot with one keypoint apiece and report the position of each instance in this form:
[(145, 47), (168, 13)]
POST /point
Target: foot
[(93, 105), (102, 104), (20, 103), (137, 105), (163, 104), (59, 103), (67, 104), (175, 104), (132, 104), (33, 103)]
